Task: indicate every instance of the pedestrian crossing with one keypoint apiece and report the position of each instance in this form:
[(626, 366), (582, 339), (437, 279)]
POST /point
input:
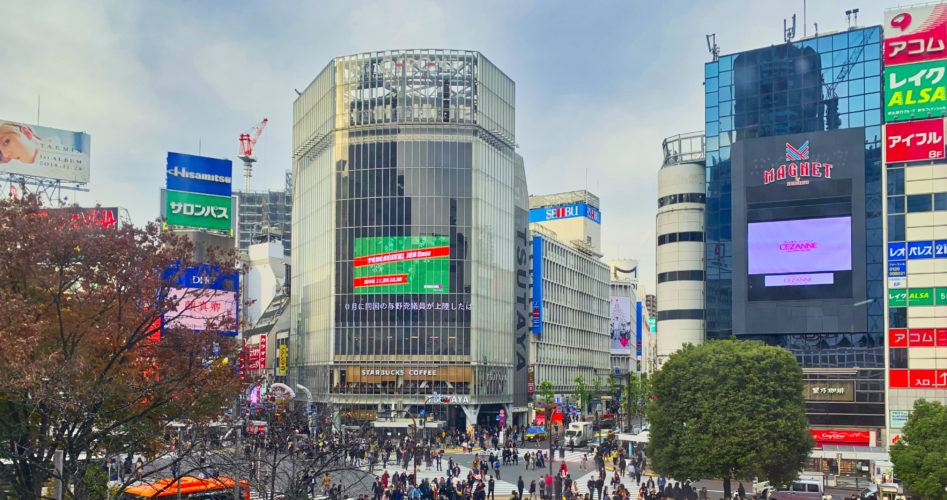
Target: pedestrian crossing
[(626, 481), (501, 487)]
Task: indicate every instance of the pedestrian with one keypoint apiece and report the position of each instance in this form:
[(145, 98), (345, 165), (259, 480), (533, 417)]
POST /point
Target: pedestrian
[(532, 490), (742, 491), (490, 487), (496, 468), (585, 460), (520, 485)]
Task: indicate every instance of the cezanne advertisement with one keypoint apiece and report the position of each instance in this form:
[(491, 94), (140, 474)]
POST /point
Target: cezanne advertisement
[(800, 246), (402, 264), (44, 152)]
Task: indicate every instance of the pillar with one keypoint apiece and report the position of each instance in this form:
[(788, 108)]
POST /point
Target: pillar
[(471, 411)]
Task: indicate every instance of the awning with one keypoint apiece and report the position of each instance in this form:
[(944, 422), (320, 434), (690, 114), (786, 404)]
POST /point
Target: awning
[(641, 437), (851, 452)]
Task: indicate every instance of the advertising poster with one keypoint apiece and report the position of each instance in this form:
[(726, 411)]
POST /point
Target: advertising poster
[(402, 264), (800, 246), (198, 210), (915, 34), (565, 212), (199, 174), (537, 319), (915, 91), (281, 366), (44, 152), (197, 308), (914, 141), (620, 325)]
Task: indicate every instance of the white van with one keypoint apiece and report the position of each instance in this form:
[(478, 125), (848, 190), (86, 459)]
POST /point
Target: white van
[(578, 433), (800, 489)]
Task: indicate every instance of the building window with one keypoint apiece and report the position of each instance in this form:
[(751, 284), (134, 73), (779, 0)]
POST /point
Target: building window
[(895, 181), (896, 227), (681, 276), (683, 236), (919, 203), (897, 317), (682, 198), (896, 204), (940, 201), (899, 357), (681, 314)]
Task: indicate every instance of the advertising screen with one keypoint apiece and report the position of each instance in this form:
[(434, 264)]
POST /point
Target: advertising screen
[(799, 246), (565, 212), (197, 307), (402, 264), (199, 174), (198, 210), (915, 34), (44, 152), (620, 325)]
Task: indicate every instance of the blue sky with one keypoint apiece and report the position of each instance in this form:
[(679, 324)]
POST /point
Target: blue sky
[(599, 84)]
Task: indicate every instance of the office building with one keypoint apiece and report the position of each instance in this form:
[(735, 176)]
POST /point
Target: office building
[(570, 291), (403, 237), (915, 178), (794, 245), (679, 259)]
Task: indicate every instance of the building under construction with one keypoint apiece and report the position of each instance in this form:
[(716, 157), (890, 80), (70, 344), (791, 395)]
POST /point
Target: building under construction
[(265, 216)]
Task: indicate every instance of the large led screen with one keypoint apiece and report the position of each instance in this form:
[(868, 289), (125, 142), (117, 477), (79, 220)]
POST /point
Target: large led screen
[(197, 308), (402, 264), (620, 325), (799, 246)]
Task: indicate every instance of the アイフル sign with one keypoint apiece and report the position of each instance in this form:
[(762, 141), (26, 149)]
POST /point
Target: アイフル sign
[(914, 141)]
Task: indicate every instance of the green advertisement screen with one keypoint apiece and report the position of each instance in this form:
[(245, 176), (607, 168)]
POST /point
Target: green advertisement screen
[(914, 91), (402, 264), (198, 210)]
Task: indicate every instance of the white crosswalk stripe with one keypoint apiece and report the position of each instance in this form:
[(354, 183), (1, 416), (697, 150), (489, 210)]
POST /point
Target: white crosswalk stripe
[(628, 482)]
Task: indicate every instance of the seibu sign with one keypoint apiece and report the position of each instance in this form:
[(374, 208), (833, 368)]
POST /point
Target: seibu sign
[(830, 436), (914, 140)]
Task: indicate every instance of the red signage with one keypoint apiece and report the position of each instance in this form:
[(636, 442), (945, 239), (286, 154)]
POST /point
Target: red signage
[(263, 352), (922, 379), (827, 436), (941, 337), (915, 34), (914, 141), (897, 338), (897, 378), (921, 338)]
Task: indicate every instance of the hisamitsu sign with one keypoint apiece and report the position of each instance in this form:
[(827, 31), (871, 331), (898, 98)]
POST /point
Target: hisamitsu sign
[(199, 174)]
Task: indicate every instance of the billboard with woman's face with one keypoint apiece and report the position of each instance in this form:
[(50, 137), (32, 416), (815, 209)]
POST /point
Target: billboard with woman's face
[(44, 152)]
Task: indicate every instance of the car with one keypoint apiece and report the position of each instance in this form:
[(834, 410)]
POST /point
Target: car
[(536, 432), (605, 433)]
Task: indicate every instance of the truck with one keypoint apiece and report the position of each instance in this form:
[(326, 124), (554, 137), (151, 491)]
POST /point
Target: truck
[(578, 433)]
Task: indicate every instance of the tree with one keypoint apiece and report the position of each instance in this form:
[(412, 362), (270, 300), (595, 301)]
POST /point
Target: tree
[(548, 397), (582, 393), (88, 367), (637, 395), (918, 456), (729, 409)]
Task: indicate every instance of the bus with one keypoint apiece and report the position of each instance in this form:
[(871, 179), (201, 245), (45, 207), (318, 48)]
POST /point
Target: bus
[(192, 488)]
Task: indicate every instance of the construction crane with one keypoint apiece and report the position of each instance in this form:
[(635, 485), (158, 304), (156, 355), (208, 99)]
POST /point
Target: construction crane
[(832, 119), (247, 143)]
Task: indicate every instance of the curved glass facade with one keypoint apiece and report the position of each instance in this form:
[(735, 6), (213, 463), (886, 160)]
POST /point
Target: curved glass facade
[(403, 230)]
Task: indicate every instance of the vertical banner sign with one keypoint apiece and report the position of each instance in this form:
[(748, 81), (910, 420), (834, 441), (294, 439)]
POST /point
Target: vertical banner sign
[(263, 353), (914, 141), (915, 34), (915, 91), (281, 367), (537, 324), (638, 328), (522, 306)]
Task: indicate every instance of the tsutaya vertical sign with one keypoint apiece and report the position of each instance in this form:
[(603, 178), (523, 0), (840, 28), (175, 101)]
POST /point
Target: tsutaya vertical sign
[(915, 34)]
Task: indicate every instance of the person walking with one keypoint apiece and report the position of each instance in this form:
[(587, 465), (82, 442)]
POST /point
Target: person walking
[(496, 468), (520, 485), (490, 488), (741, 491), (532, 490)]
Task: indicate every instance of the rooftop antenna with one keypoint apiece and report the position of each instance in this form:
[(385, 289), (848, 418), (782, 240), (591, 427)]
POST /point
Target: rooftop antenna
[(804, 21), (852, 16), (789, 32), (816, 29), (712, 46)]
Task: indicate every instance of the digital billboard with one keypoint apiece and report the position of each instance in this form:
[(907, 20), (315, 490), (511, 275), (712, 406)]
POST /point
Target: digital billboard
[(198, 210), (537, 319), (565, 212), (402, 264), (44, 152), (800, 246), (199, 174), (914, 141), (915, 91), (196, 307), (915, 34), (799, 233), (620, 325)]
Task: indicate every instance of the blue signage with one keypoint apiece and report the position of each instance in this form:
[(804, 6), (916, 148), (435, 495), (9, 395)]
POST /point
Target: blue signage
[(199, 174), (897, 268), (565, 212), (897, 251), (940, 249), (202, 276), (537, 323), (921, 250), (638, 328)]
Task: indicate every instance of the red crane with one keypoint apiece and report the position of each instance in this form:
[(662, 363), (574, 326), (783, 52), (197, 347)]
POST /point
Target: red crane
[(247, 143)]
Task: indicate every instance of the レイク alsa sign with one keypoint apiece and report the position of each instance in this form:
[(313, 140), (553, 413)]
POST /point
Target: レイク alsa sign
[(798, 166)]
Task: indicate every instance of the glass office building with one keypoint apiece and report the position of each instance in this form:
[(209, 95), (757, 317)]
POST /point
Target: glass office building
[(826, 88), (403, 237)]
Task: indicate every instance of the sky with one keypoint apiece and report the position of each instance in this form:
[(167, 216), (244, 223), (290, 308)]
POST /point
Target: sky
[(599, 84)]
